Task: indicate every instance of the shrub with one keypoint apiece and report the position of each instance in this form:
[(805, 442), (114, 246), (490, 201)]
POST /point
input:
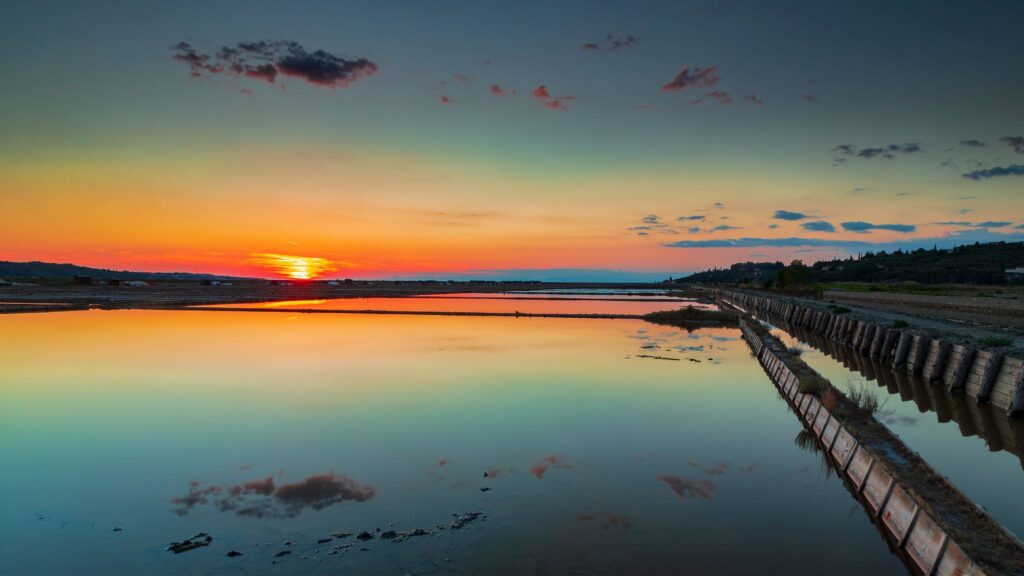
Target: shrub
[(900, 324), (996, 341), (838, 309), (864, 402)]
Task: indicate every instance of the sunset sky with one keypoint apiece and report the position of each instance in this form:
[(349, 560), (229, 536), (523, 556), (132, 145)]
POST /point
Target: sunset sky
[(494, 139)]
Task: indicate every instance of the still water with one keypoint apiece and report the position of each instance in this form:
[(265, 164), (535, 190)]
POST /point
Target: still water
[(981, 465), (533, 303), (584, 449)]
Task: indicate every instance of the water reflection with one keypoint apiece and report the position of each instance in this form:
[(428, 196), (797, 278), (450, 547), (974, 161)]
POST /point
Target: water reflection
[(583, 449), (978, 448), (264, 499)]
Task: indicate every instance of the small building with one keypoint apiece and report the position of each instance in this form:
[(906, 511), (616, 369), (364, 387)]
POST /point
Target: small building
[(1015, 275)]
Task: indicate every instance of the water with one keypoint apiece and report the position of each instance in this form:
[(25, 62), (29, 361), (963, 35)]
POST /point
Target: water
[(507, 303), (975, 463), (598, 459)]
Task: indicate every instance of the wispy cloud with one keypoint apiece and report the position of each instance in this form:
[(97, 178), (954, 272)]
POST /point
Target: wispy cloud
[(719, 96), (985, 224), (997, 172), (889, 152), (687, 78), (972, 143), (497, 90), (612, 43), (861, 227), (542, 94), (267, 59), (1015, 142)]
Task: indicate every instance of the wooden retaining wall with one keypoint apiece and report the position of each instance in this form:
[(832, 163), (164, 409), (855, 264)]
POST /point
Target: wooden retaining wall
[(987, 376), (924, 545)]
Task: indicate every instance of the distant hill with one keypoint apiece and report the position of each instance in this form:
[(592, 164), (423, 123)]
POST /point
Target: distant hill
[(57, 271), (969, 264)]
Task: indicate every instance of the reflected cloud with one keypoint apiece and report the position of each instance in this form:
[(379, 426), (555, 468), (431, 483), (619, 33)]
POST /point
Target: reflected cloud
[(608, 520), (686, 487), (553, 461), (266, 499)]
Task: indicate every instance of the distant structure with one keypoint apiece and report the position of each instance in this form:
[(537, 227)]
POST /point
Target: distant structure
[(1015, 275)]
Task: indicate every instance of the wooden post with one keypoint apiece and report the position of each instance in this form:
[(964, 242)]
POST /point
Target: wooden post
[(876, 342), (988, 379), (867, 337), (939, 366), (902, 349), (1017, 405), (921, 354), (891, 334), (963, 368)]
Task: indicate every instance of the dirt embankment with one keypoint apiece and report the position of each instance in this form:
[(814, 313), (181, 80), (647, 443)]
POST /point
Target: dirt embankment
[(178, 294), (984, 311)]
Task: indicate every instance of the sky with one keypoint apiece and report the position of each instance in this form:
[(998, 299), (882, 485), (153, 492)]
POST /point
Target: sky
[(449, 139)]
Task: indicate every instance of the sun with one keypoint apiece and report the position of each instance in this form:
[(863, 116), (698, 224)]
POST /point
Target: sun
[(294, 267)]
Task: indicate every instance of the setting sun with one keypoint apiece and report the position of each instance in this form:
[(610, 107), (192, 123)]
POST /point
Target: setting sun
[(294, 267)]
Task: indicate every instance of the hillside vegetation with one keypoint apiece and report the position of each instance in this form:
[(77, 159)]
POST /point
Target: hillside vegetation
[(970, 264)]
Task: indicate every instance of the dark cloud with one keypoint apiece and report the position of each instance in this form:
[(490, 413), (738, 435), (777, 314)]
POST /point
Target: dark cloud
[(888, 152), (723, 227), (684, 487), (542, 94), (1015, 142), (694, 217), (972, 143), (767, 242), (752, 98), (818, 226), (445, 100), (810, 98), (717, 469), (998, 171), (264, 499), (687, 78), (590, 46), (787, 215), (499, 91), (267, 59), (864, 227)]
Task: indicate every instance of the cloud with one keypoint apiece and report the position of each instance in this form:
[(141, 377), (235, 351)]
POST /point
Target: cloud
[(612, 43), (752, 98), (864, 227), (787, 215), (818, 226), (972, 143), (998, 171), (688, 79), (985, 224), (719, 96), (651, 219), (722, 227), (445, 100), (694, 217), (499, 91), (542, 94), (684, 487), (889, 152), (810, 98), (267, 59), (1015, 142)]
